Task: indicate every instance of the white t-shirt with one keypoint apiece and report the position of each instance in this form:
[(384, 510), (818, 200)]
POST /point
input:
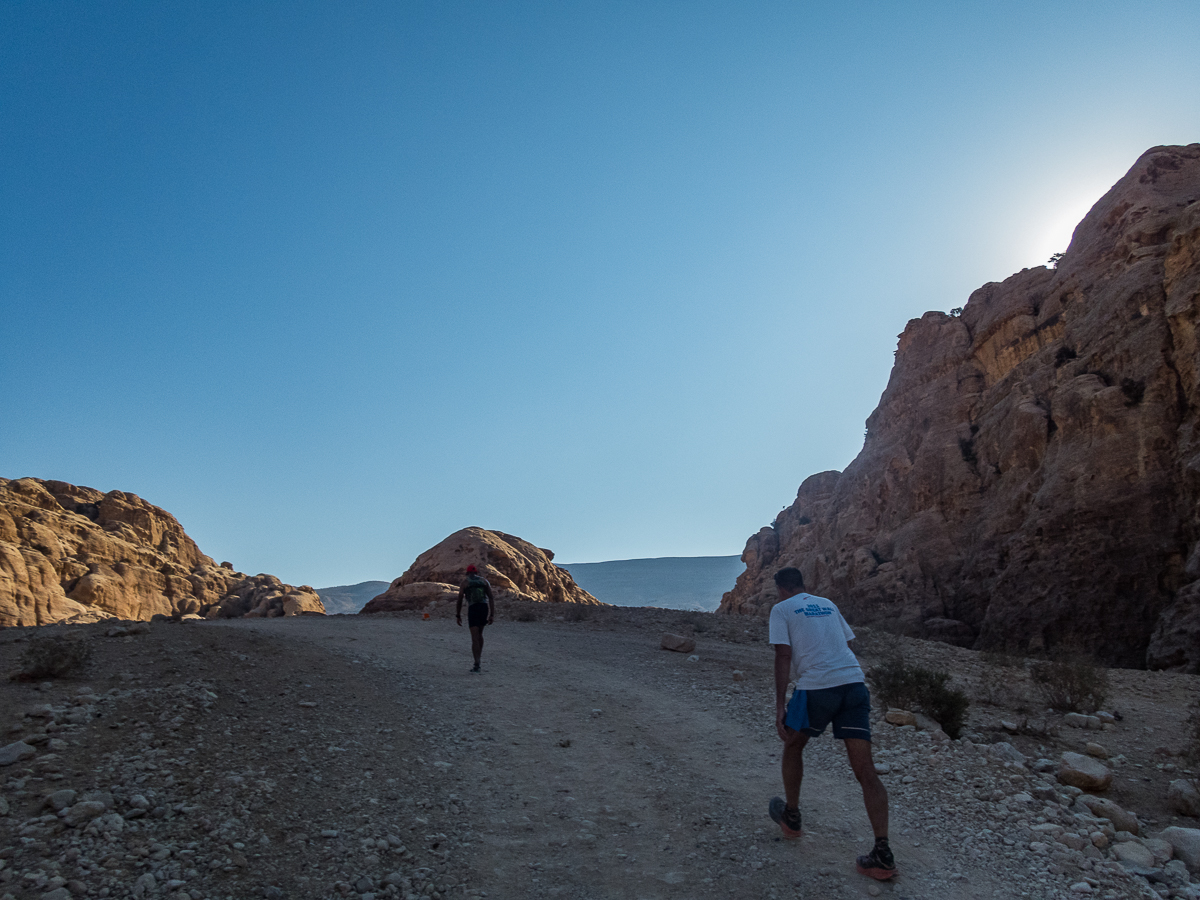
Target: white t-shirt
[(817, 634)]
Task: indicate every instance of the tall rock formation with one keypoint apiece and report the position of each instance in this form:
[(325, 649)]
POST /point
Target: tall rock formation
[(516, 569), (74, 554), (1030, 478)]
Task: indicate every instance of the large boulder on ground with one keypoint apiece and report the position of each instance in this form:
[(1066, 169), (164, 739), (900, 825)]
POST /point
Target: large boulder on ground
[(1183, 798), (1031, 476), (1186, 844), (1103, 808), (75, 554), (411, 596), (1084, 772), (516, 569)]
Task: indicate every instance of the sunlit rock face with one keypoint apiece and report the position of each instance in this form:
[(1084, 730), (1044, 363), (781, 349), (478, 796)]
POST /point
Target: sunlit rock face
[(1031, 475), (516, 569), (75, 554)]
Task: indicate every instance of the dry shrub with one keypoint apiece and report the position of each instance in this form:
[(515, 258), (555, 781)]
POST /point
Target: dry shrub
[(577, 613), (53, 657), (924, 690), (1070, 682)]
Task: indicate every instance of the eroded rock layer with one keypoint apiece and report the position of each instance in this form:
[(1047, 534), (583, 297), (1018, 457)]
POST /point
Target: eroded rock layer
[(1031, 475), (516, 569), (70, 553)]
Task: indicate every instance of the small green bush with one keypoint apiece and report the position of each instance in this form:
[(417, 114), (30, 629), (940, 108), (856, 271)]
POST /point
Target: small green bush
[(1071, 682), (53, 657), (922, 690)]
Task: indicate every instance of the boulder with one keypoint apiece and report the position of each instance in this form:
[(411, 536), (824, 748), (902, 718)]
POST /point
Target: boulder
[(677, 642), (1183, 798), (73, 554), (516, 569), (900, 717), (1058, 402), (1083, 772), (1003, 751), (1134, 854), (1098, 751), (417, 595), (1103, 808), (15, 752), (1186, 844)]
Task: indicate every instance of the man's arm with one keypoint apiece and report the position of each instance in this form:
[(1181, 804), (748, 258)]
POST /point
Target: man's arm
[(458, 609), (783, 672), (491, 605)]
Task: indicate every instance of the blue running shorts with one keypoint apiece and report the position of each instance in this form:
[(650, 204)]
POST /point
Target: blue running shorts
[(847, 706)]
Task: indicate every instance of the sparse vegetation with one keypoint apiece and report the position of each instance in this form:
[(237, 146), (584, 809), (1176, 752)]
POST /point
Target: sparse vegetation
[(53, 657), (1070, 682), (918, 689), (1055, 259), (957, 311)]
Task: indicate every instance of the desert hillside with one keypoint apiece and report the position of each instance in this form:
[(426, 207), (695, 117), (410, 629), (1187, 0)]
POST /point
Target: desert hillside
[(75, 554), (1030, 479), (315, 757)]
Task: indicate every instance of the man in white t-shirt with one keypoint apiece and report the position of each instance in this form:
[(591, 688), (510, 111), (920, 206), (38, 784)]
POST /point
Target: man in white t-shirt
[(812, 650)]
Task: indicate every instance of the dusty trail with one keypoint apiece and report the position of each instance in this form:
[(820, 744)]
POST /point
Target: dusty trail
[(585, 762)]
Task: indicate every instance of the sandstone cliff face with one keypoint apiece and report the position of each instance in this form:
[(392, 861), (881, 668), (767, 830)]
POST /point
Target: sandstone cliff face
[(1030, 478), (71, 553), (516, 569)]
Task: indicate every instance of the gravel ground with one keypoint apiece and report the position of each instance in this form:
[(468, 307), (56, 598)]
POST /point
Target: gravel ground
[(357, 757)]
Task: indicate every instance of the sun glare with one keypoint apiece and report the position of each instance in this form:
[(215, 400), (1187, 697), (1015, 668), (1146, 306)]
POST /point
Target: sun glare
[(1052, 234)]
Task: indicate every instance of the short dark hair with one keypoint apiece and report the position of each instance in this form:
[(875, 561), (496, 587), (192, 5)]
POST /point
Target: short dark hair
[(789, 579)]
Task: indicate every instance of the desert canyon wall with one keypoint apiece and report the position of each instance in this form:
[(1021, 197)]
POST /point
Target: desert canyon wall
[(1031, 475), (75, 554), (516, 569)]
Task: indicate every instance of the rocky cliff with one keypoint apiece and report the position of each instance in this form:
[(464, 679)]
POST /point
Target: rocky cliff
[(1030, 478), (516, 569), (71, 553)]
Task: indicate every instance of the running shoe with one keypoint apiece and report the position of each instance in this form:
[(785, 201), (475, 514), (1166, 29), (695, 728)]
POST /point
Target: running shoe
[(475, 668), (788, 820), (878, 864)]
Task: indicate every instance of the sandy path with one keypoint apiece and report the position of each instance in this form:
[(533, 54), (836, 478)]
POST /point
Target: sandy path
[(585, 762)]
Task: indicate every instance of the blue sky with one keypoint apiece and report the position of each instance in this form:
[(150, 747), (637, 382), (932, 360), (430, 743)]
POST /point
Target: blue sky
[(331, 281)]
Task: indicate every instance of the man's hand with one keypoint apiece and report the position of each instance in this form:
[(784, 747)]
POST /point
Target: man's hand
[(780, 720), (459, 619), (491, 619)]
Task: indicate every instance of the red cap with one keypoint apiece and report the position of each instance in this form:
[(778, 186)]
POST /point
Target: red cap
[(471, 570)]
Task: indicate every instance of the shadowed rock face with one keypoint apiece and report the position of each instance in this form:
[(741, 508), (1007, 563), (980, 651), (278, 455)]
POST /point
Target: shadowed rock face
[(516, 569), (70, 553), (1031, 475)]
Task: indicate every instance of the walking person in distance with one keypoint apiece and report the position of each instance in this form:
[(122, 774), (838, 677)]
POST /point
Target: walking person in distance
[(481, 609), (812, 650)]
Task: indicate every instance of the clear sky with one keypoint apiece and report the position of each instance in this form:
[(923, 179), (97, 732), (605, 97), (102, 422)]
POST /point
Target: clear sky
[(330, 281)]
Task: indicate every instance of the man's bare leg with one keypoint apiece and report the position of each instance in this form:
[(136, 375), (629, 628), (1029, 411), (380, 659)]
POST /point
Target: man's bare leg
[(793, 766), (875, 796), (476, 643)]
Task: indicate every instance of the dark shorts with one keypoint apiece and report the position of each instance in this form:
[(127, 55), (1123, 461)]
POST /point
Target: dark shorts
[(847, 706), (477, 615)]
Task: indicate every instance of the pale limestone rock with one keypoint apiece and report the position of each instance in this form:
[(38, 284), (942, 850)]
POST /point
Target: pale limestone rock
[(15, 752), (1103, 808), (1133, 854), (1098, 751), (900, 717), (1186, 844), (417, 595), (1084, 772)]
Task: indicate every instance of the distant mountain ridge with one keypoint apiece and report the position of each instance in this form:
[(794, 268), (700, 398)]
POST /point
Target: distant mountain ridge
[(348, 599), (671, 582)]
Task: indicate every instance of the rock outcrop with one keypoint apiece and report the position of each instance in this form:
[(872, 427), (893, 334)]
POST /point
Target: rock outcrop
[(74, 554), (1031, 476), (516, 569)]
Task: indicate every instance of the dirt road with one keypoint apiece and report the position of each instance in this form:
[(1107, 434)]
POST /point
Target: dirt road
[(358, 757)]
